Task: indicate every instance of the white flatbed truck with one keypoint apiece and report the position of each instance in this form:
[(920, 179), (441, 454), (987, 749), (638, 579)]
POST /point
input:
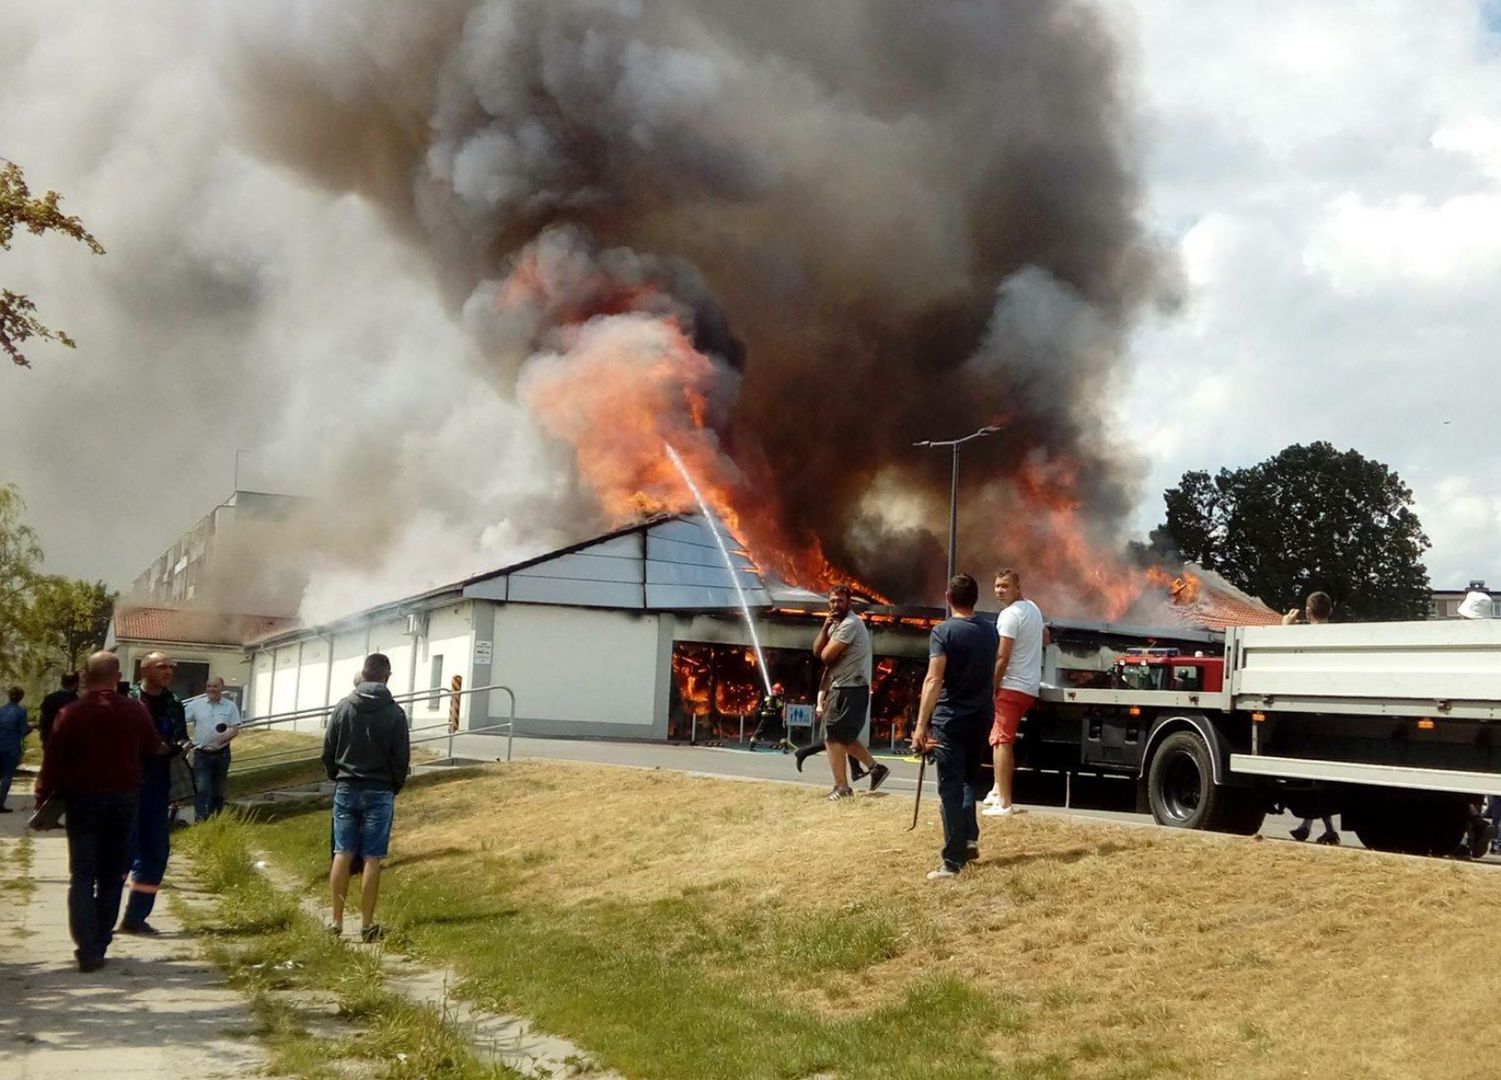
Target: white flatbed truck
[(1394, 726)]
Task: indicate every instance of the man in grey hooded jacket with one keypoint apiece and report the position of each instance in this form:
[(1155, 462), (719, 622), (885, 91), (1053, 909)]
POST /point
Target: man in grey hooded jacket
[(367, 753)]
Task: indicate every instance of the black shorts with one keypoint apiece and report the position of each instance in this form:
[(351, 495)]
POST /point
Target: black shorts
[(844, 713)]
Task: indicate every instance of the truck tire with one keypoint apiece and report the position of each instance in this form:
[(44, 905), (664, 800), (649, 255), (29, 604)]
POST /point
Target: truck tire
[(1423, 826), (1183, 795)]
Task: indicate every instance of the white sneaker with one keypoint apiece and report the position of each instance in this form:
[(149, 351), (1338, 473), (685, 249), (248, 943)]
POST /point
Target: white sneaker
[(941, 873), (993, 799), (1000, 811)]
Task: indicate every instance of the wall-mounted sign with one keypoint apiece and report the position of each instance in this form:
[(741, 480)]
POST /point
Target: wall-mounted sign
[(798, 715), (484, 652)]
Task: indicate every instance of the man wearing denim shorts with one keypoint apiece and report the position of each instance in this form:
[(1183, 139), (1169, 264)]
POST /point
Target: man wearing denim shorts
[(1018, 678), (367, 753)]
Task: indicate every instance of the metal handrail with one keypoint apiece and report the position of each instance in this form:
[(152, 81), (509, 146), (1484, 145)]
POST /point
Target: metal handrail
[(296, 754), (322, 710)]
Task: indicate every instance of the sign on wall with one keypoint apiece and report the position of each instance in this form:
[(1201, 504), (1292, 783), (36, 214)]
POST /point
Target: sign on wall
[(484, 652), (798, 715)]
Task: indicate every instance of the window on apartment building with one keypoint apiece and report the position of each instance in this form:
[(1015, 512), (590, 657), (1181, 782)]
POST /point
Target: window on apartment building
[(435, 680)]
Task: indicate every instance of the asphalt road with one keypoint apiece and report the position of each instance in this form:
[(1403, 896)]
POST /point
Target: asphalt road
[(1099, 798)]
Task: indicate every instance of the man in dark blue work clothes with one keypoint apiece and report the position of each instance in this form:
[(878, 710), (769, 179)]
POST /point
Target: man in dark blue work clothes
[(163, 781), (954, 717)]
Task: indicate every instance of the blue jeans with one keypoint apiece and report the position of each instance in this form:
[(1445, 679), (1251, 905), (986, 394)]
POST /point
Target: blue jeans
[(9, 761), (211, 778), (362, 821), (149, 852), (960, 758), (99, 835)]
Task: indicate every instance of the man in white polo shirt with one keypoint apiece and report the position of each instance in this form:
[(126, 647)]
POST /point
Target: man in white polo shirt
[(1018, 678), (214, 721)]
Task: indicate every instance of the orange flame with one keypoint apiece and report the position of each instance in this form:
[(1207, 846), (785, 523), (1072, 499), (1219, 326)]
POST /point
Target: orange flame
[(624, 380), (1183, 589)]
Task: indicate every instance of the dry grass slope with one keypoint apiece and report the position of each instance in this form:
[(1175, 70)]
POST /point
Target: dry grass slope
[(1104, 950)]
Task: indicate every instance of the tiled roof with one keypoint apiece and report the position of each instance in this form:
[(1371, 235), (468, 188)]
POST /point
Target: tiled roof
[(1220, 604), (191, 626)]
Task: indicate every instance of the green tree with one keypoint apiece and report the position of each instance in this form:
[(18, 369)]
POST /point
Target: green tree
[(20, 209), (1310, 518), (67, 620), (19, 555)]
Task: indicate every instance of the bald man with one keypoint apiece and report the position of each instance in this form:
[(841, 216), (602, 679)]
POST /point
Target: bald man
[(95, 756), (163, 781)]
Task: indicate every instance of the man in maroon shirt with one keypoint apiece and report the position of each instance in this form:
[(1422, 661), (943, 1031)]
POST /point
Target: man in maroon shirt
[(94, 760)]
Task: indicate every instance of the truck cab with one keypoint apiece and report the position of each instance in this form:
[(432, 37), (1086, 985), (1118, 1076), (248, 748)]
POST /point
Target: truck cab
[(1168, 669)]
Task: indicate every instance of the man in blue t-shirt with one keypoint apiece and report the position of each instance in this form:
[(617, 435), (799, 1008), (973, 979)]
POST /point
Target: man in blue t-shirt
[(955, 715)]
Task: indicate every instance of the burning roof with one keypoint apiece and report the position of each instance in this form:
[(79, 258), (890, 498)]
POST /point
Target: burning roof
[(1201, 598)]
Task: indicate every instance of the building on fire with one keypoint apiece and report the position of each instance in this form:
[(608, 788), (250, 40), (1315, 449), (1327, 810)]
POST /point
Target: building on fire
[(637, 634)]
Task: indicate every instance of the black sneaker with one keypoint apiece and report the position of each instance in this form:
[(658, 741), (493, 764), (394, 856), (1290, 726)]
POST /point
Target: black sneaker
[(6, 810), (971, 851), (878, 776), (805, 753), (373, 933), (1329, 837), (141, 929), (90, 963), (1300, 833), (857, 772)]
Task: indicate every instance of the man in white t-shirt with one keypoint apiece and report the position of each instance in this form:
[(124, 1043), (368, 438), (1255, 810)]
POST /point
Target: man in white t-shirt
[(214, 721), (1018, 678)]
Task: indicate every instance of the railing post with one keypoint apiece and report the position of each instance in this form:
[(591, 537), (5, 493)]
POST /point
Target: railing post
[(511, 730), (456, 685)]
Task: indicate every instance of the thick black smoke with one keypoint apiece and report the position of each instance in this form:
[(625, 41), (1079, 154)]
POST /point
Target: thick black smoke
[(889, 221)]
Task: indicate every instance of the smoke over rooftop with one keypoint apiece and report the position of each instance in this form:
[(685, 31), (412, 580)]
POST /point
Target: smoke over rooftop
[(514, 244)]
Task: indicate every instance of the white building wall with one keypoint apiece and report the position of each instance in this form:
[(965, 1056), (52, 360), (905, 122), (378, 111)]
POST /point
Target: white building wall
[(450, 636), (389, 636), (226, 662), (312, 682), (575, 666), (350, 649), (284, 692), (260, 685)]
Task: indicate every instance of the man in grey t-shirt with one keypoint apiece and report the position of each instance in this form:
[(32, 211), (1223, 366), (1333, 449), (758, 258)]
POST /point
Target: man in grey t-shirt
[(843, 644)]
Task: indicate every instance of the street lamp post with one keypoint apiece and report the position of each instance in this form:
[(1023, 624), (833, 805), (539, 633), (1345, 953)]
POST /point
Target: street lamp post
[(953, 445)]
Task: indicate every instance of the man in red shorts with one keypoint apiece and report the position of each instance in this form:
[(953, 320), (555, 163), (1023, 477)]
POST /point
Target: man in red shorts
[(1018, 677)]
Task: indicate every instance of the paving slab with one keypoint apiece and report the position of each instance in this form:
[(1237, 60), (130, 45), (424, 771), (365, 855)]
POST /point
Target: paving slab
[(158, 1008)]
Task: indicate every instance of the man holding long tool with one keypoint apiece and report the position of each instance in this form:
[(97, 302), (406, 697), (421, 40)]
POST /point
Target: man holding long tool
[(954, 717)]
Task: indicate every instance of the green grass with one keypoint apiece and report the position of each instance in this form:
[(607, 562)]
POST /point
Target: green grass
[(268, 945), (21, 884), (264, 760), (667, 989)]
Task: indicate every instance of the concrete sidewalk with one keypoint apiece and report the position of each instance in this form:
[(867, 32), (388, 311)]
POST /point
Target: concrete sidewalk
[(158, 1008)]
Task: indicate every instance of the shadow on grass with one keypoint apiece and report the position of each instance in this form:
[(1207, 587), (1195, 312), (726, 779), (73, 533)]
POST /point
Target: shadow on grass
[(418, 922), (407, 861), (1066, 856)]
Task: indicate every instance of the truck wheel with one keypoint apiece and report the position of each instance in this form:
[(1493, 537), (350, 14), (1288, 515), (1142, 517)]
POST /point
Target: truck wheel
[(1427, 826), (1244, 812), (1182, 793), (1180, 782)]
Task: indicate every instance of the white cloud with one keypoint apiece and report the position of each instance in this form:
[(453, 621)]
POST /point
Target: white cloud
[(1332, 180)]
